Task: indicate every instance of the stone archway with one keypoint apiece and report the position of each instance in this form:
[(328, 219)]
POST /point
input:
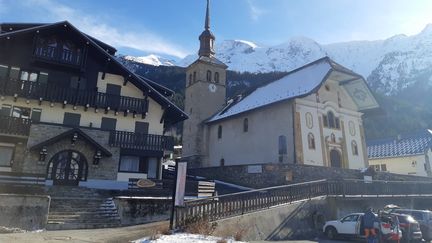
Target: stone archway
[(67, 167)]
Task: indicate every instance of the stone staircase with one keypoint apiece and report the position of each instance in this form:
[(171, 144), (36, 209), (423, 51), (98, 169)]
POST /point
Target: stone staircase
[(80, 208)]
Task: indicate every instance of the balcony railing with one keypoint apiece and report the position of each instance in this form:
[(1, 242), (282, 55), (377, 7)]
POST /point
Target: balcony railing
[(76, 97), (140, 141), (14, 126), (59, 55)]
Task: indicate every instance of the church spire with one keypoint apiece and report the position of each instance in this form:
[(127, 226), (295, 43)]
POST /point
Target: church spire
[(207, 19), (207, 38)]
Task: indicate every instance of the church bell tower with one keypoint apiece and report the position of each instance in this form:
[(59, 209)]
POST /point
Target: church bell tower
[(205, 95)]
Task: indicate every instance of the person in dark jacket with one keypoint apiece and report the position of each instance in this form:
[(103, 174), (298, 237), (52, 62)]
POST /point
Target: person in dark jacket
[(369, 220)]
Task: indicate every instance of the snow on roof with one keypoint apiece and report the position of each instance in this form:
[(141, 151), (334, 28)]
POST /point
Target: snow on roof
[(297, 83), (403, 145)]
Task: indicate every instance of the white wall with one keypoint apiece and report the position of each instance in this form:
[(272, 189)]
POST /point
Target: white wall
[(55, 114), (260, 144)]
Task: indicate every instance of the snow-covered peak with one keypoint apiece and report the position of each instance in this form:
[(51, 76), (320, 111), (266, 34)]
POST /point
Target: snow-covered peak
[(427, 30), (152, 59)]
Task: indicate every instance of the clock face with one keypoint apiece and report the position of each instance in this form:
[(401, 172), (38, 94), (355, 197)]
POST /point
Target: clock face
[(212, 88)]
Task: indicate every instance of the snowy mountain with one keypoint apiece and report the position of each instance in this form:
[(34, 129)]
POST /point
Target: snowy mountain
[(389, 65), (151, 59)]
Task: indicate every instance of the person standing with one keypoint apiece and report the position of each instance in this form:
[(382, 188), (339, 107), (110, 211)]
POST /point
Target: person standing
[(369, 219)]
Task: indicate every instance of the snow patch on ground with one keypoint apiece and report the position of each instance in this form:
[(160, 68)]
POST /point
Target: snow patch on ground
[(185, 238)]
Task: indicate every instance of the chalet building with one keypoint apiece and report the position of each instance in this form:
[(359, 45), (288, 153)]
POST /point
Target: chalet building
[(407, 154), (71, 111), (312, 116)]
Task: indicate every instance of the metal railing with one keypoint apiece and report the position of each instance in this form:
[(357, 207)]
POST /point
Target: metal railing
[(77, 97), (59, 55), (14, 126), (141, 141), (229, 205)]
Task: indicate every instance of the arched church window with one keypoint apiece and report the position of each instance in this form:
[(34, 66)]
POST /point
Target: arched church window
[(190, 78), (311, 141), (354, 147), (209, 74), (194, 77), (219, 131), (331, 119), (216, 77), (245, 125)]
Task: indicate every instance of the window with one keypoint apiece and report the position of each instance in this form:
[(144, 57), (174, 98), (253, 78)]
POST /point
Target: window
[(21, 112), (28, 76), (222, 162), (3, 71), (72, 119), (383, 167), (5, 110), (190, 79), (354, 148), (209, 74), (36, 114), (14, 73), (194, 77), (311, 141), (6, 155), (79, 83), (283, 151), (350, 218), (245, 125), (325, 121), (135, 164), (282, 145), (219, 131), (331, 121), (108, 123), (216, 77), (129, 163), (337, 123), (43, 78), (377, 167)]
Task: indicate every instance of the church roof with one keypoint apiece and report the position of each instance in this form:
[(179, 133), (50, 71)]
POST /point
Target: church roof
[(414, 143), (298, 83)]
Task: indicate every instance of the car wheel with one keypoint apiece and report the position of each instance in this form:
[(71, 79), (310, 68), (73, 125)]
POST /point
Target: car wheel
[(331, 233)]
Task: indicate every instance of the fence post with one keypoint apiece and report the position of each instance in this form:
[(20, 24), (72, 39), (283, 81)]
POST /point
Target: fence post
[(343, 189)]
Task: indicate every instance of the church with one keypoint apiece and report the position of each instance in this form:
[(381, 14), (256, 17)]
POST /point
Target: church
[(312, 116)]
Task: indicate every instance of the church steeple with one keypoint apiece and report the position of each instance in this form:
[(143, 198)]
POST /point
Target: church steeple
[(207, 38)]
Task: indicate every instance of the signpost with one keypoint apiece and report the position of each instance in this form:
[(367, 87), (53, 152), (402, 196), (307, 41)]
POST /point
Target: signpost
[(178, 189)]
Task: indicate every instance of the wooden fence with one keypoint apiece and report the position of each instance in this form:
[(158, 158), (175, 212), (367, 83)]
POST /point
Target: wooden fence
[(229, 205)]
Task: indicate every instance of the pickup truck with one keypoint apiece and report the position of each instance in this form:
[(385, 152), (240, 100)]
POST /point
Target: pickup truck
[(351, 225)]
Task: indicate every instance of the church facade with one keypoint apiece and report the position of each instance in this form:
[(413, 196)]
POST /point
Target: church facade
[(312, 116)]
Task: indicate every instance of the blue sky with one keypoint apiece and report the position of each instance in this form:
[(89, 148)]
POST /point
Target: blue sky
[(171, 27)]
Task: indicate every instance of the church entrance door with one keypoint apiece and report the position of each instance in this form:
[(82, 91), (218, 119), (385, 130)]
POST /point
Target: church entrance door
[(335, 158)]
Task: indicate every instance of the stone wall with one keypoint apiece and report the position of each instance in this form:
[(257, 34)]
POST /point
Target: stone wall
[(304, 220), (140, 211), (106, 170), (27, 212), (267, 175)]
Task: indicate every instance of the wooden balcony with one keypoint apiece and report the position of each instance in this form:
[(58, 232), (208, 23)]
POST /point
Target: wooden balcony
[(76, 97), (139, 141), (14, 126), (59, 55)]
